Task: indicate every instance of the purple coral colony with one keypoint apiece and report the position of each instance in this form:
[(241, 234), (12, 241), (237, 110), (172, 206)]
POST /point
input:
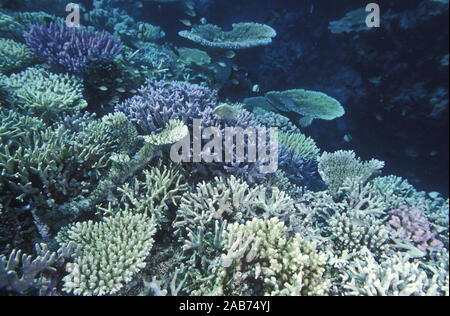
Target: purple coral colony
[(157, 148)]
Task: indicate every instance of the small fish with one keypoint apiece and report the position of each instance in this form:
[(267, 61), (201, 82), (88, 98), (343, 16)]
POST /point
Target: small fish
[(119, 80), (311, 10), (287, 102), (190, 12), (133, 91), (102, 88), (379, 117), (29, 206), (190, 5), (203, 21), (358, 222), (137, 156), (230, 54), (222, 64), (434, 195), (235, 67), (186, 22), (225, 112), (276, 13), (347, 138), (235, 82), (255, 88), (120, 90), (433, 153)]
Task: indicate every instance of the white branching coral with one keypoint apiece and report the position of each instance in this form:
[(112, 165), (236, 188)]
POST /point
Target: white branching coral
[(395, 276), (263, 261), (110, 253), (335, 168)]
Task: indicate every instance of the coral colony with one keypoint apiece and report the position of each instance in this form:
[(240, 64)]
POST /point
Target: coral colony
[(248, 158)]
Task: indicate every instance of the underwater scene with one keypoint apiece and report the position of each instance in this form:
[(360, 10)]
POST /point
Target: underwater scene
[(224, 148)]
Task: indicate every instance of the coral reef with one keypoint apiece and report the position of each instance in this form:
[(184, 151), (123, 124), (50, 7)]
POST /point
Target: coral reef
[(133, 165)]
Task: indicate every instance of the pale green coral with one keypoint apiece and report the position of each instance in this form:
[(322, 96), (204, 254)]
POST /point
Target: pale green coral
[(161, 185), (173, 132), (109, 253), (335, 168), (53, 166), (242, 35), (124, 166), (302, 145), (16, 128), (14, 56), (192, 56), (119, 127), (310, 104), (39, 92), (271, 119)]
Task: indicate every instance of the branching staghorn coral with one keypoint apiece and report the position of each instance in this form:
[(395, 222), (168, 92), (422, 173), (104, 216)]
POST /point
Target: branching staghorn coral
[(335, 168), (298, 169), (162, 185), (230, 199), (159, 102), (396, 275), (260, 260), (13, 24), (70, 48), (39, 92), (124, 166), (29, 269), (16, 128), (109, 253), (14, 55), (351, 231), (55, 166), (349, 222), (202, 217)]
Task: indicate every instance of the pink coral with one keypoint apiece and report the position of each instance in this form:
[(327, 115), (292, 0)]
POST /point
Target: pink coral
[(409, 223)]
